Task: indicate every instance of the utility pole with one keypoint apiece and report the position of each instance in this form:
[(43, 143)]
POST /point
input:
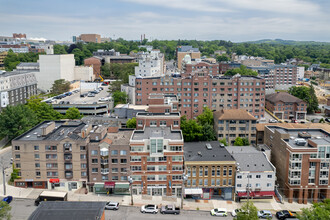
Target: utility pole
[(130, 180), (248, 191), (3, 176), (184, 178)]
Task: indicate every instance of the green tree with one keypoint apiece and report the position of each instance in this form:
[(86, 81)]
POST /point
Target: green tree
[(43, 110), (223, 57), (15, 120), (115, 86), (119, 97), (14, 174), (224, 141), (208, 133), (238, 142), (131, 123), (60, 86), (206, 117), (245, 142), (5, 211), (307, 94), (59, 49), (73, 113), (191, 130), (249, 212), (318, 211), (243, 71)]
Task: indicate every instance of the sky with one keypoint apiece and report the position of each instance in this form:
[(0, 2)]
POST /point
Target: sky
[(234, 20)]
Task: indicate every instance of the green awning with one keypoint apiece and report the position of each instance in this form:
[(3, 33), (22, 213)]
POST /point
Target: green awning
[(122, 186), (98, 185)]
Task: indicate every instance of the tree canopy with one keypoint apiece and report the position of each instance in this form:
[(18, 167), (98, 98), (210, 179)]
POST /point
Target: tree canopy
[(13, 59), (249, 212), (15, 120), (318, 211), (73, 113), (60, 86), (307, 94), (5, 211), (243, 71), (119, 97), (131, 123), (43, 110)]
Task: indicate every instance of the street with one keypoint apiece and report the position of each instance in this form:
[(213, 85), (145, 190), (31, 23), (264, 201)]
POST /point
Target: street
[(5, 155)]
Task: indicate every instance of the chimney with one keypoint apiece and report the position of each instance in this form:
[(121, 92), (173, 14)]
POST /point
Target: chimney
[(47, 128)]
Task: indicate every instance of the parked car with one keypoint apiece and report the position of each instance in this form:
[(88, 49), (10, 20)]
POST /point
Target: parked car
[(104, 99), (170, 209), (327, 119), (91, 95), (265, 214), (83, 95), (7, 199), (149, 209), (112, 206), (272, 121), (235, 212), (285, 214), (219, 212)]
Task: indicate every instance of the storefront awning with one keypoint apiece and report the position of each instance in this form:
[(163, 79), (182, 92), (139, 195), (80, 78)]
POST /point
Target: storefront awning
[(196, 191), (99, 185), (54, 180), (109, 185), (122, 185), (256, 194)]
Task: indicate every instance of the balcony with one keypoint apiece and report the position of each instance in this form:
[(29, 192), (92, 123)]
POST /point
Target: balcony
[(104, 162), (67, 157), (68, 166)]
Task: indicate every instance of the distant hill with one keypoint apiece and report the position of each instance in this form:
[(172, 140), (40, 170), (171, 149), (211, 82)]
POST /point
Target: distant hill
[(286, 42)]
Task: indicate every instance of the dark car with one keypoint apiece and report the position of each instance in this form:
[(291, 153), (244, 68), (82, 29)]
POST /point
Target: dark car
[(327, 119), (284, 214), (7, 199)]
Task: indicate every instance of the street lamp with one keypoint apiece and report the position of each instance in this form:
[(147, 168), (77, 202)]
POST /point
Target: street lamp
[(2, 163), (130, 180), (184, 179)]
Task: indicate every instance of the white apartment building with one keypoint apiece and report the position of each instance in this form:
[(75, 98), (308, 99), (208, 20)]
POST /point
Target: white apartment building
[(151, 64)]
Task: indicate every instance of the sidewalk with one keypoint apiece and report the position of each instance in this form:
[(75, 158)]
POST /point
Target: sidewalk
[(189, 204)]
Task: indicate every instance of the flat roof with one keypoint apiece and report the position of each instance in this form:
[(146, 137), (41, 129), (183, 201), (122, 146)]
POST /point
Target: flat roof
[(250, 159), (197, 151), (53, 193), (158, 114), (16, 72), (131, 106), (157, 132), (62, 130), (64, 210)]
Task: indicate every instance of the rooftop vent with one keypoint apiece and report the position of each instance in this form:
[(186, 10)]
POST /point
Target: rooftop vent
[(199, 153), (208, 146), (300, 142), (304, 135)]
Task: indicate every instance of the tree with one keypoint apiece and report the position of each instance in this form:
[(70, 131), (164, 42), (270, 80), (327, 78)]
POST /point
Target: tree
[(115, 86), (15, 120), (208, 133), (238, 142), (60, 86), (73, 113), (224, 141), (307, 94), (318, 211), (119, 97), (221, 58), (5, 211), (14, 174), (131, 123), (191, 130), (43, 110), (206, 117), (249, 212), (243, 71), (245, 142)]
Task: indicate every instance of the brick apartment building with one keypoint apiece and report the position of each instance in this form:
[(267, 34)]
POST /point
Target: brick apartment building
[(286, 106), (200, 90), (157, 120), (210, 169), (233, 123), (301, 158), (182, 51), (157, 161), (207, 67), (53, 155), (163, 103), (90, 38), (96, 64)]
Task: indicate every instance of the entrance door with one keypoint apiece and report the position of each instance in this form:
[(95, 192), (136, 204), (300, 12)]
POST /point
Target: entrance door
[(29, 184), (157, 192)]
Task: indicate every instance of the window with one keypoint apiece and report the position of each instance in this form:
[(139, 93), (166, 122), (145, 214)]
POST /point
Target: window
[(114, 178), (114, 152), (200, 182), (258, 176), (94, 152), (162, 123), (37, 165), (176, 123), (239, 177), (135, 158), (258, 185), (156, 146), (36, 147), (50, 148), (82, 148), (205, 182), (94, 161), (269, 184), (123, 160), (37, 156), (224, 182), (123, 152), (83, 156), (83, 166), (38, 173), (123, 170), (269, 176), (17, 156), (123, 178), (114, 161), (175, 148), (114, 170), (225, 171), (95, 170), (206, 171), (17, 147), (84, 173), (239, 185)]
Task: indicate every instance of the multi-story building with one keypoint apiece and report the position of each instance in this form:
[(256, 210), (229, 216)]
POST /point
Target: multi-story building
[(96, 64), (160, 103), (16, 87), (150, 64), (90, 38), (286, 106), (301, 158), (200, 90), (54, 155), (182, 51), (203, 66), (157, 120), (255, 174), (157, 161), (210, 170), (2, 60), (233, 123), (109, 163), (16, 48)]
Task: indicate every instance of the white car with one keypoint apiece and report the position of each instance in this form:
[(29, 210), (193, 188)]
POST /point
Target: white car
[(149, 209), (219, 212), (112, 206)]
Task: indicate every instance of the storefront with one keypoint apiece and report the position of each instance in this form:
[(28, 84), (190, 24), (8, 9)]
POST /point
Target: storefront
[(109, 186), (256, 195), (98, 188), (193, 193), (64, 185), (224, 193), (122, 189)]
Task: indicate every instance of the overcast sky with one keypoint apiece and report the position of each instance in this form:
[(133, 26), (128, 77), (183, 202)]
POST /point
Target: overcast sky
[(235, 20)]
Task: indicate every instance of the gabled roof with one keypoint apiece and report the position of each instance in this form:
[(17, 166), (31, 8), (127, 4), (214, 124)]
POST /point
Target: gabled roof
[(233, 114), (283, 97)]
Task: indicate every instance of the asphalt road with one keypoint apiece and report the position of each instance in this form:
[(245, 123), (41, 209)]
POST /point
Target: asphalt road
[(5, 155), (21, 209)]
